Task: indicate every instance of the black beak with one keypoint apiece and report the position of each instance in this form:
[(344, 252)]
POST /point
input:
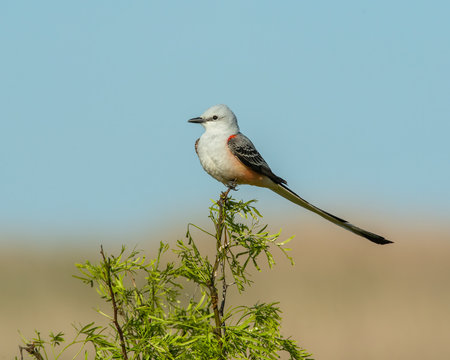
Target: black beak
[(196, 120)]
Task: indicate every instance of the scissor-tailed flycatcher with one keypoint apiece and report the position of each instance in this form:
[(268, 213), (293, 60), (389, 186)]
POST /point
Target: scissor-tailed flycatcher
[(230, 157)]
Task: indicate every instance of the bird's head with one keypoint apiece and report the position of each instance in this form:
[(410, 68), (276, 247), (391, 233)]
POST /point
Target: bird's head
[(218, 118)]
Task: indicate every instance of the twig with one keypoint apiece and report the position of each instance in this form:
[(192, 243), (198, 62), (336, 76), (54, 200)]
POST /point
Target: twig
[(113, 300), (224, 282), (224, 293), (214, 300), (32, 350), (218, 313)]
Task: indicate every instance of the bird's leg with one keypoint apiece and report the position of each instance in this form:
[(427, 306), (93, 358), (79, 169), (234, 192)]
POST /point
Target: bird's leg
[(232, 184)]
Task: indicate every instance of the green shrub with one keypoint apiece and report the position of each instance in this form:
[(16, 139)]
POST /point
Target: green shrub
[(154, 320)]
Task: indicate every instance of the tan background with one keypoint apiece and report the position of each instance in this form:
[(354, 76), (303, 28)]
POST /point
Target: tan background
[(344, 299)]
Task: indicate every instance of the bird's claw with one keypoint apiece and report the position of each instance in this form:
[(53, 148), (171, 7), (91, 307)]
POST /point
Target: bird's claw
[(232, 185)]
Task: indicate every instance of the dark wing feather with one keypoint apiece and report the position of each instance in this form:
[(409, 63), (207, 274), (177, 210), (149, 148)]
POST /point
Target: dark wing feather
[(241, 147)]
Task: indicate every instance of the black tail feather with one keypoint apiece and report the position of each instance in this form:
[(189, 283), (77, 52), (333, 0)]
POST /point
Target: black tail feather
[(287, 193)]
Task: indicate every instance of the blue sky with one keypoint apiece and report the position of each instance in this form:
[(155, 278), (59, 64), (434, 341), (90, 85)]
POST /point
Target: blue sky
[(348, 101)]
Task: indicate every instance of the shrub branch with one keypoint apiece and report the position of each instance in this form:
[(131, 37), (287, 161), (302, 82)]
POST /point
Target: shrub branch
[(107, 262)]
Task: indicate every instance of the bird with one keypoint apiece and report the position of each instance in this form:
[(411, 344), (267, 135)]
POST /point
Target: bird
[(231, 158)]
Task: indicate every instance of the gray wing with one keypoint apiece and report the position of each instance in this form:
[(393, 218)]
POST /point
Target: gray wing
[(241, 147)]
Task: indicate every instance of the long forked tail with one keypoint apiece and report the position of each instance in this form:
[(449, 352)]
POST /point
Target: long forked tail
[(285, 192)]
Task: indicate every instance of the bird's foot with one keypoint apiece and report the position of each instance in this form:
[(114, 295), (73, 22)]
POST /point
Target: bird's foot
[(232, 185)]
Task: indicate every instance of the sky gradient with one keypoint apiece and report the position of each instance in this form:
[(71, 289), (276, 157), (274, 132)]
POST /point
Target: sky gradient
[(348, 101)]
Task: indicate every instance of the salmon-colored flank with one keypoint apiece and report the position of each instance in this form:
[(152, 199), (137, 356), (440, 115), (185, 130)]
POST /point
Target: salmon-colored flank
[(244, 175)]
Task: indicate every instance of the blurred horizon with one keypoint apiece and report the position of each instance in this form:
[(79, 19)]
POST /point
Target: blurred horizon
[(300, 218)]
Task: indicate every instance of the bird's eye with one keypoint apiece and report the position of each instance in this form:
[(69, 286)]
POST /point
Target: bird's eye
[(215, 117)]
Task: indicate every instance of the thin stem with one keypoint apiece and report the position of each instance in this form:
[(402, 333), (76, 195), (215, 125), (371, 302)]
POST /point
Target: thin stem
[(113, 300), (32, 350), (220, 225), (224, 282), (224, 292)]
